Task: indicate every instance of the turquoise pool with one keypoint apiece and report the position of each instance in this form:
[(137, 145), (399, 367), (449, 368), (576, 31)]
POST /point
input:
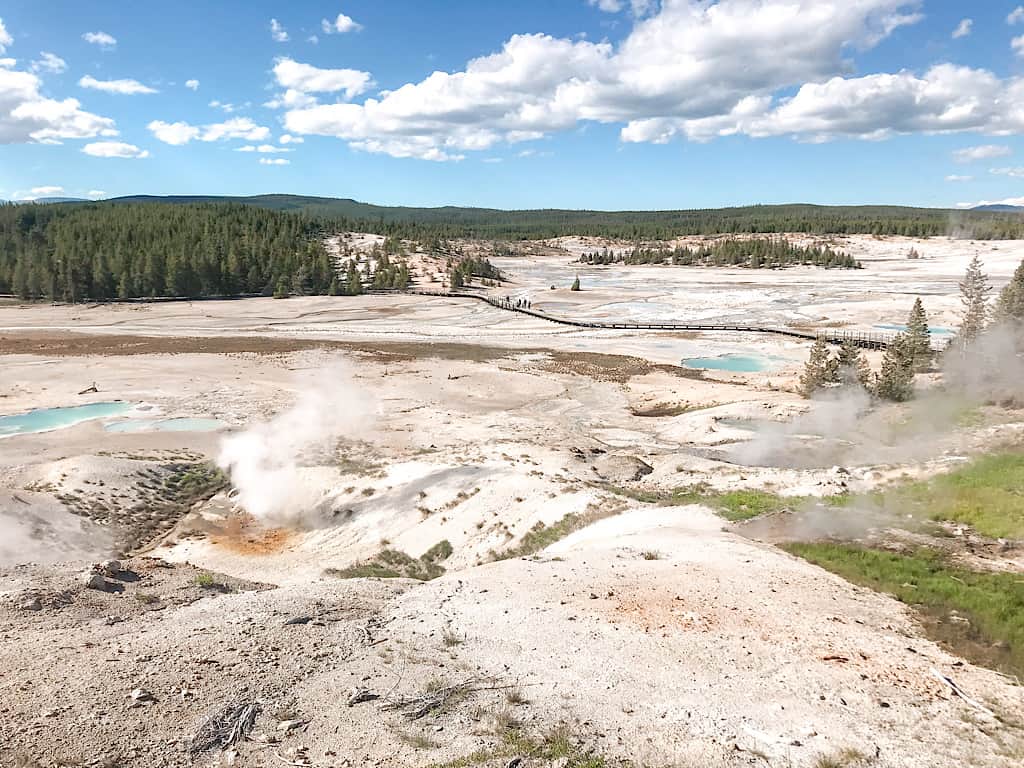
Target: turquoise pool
[(166, 425), (47, 419), (934, 330), (734, 363)]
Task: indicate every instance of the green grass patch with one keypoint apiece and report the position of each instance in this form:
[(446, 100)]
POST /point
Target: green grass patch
[(559, 746), (992, 603), (732, 505), (542, 536), (986, 494), (392, 564)]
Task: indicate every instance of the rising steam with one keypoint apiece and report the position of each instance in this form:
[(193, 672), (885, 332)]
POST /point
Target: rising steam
[(266, 461)]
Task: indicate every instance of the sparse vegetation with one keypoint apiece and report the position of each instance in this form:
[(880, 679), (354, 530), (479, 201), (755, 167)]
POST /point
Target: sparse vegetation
[(732, 505), (847, 757), (988, 606), (542, 536), (393, 564)]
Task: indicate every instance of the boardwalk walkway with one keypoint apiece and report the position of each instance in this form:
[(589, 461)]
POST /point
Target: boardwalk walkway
[(859, 338)]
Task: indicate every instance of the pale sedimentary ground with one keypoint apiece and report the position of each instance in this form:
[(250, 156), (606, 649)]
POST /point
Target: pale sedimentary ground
[(436, 420)]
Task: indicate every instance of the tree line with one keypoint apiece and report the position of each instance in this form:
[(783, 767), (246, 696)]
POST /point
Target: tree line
[(98, 252), (755, 253)]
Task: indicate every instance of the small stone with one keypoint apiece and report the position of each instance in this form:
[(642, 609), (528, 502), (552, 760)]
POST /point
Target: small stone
[(110, 567), (290, 725), (92, 580), (140, 695), (31, 605)]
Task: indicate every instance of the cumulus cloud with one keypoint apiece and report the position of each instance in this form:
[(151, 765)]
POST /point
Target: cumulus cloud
[(114, 149), (289, 139), (963, 29), (274, 161), (278, 33), (692, 69), (5, 37), (44, 191), (27, 116), (982, 152), (1016, 15), (102, 39), (305, 78), (1017, 44), (192, 85), (263, 149), (49, 62), (340, 25), (1016, 173), (956, 177), (180, 133), (95, 194), (125, 87)]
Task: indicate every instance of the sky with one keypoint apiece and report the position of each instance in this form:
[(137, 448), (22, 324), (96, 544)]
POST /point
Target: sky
[(599, 104)]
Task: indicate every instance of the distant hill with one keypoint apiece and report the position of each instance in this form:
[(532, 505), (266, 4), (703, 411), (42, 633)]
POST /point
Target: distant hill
[(496, 224), (59, 200), (1000, 208)]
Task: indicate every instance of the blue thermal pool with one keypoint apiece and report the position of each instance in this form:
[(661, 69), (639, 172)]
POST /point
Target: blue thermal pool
[(934, 330), (46, 419), (166, 425), (734, 363)]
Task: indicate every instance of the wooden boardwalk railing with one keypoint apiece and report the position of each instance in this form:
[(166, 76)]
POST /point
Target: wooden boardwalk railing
[(863, 339)]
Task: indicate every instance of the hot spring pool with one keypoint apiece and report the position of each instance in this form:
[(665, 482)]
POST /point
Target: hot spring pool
[(166, 425), (734, 363), (933, 330), (46, 419)]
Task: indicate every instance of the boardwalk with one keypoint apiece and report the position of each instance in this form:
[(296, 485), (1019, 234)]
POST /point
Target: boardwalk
[(858, 338)]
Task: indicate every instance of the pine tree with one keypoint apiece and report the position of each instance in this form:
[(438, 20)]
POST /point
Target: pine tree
[(974, 293), (851, 367), (895, 380), (1010, 307), (918, 337), (575, 284), (817, 370)]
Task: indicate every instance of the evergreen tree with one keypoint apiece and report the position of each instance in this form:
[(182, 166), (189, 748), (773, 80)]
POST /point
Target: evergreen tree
[(851, 367), (974, 293), (918, 338), (1010, 307), (817, 370), (575, 284), (895, 380)]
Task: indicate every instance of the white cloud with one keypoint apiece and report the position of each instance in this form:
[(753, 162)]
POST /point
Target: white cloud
[(340, 25), (35, 192), (102, 39), (273, 161), (638, 7), (192, 84), (27, 116), (5, 37), (608, 6), (1016, 201), (180, 133), (277, 32), (1016, 173), (963, 29), (982, 152), (173, 133), (95, 194), (693, 69), (1017, 44), (305, 78), (126, 87), (313, 39), (49, 62), (8, 63), (114, 149), (1016, 15), (492, 160), (955, 177), (263, 149), (227, 108), (289, 139)]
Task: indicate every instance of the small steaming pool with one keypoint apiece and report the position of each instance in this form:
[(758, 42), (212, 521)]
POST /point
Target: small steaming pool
[(730, 362), (166, 425), (48, 419)]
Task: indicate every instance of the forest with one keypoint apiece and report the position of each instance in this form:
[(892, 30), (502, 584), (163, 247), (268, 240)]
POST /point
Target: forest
[(101, 251), (755, 253)]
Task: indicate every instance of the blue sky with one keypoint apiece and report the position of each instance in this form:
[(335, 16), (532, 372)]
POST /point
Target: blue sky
[(609, 104)]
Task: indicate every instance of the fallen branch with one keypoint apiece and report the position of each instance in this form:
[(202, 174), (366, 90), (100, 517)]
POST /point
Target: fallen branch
[(422, 704), (226, 727), (958, 692)]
